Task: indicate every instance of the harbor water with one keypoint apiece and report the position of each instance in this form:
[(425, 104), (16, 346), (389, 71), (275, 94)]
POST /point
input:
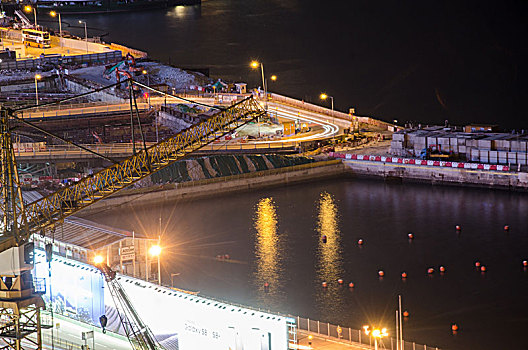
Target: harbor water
[(275, 235), (464, 62)]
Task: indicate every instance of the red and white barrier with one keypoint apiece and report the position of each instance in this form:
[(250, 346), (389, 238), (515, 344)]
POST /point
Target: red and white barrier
[(421, 162)]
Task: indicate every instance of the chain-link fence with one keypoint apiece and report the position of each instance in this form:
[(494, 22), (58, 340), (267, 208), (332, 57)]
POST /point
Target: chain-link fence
[(354, 335)]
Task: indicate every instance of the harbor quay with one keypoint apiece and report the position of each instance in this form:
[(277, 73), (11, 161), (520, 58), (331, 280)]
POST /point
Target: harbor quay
[(134, 132)]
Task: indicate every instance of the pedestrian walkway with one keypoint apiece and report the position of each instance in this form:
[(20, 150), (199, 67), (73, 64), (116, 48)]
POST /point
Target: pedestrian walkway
[(326, 343)]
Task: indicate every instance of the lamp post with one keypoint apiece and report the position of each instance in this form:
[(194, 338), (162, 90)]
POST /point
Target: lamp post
[(37, 77), (85, 34), (155, 250), (28, 9), (144, 72), (256, 65), (323, 97), (57, 14), (376, 333)]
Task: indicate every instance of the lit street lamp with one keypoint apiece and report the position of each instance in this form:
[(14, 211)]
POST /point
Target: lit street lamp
[(155, 250), (376, 334), (273, 77), (85, 34), (98, 259), (37, 77), (28, 9), (256, 65), (55, 14), (323, 97)]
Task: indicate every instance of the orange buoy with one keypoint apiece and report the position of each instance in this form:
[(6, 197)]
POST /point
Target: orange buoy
[(360, 241), (506, 228), (430, 270), (404, 275), (410, 235), (483, 268), (442, 269), (525, 263), (406, 313), (351, 285), (324, 284), (381, 273), (477, 264), (458, 228), (340, 281), (454, 327)]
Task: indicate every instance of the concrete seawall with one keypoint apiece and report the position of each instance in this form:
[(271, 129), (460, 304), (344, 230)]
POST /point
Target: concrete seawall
[(438, 175), (215, 186), (311, 172)]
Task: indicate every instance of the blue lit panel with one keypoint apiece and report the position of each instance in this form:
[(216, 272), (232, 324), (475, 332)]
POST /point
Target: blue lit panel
[(77, 288)]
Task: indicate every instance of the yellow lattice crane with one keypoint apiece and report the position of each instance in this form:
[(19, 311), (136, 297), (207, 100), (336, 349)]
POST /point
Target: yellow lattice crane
[(20, 297)]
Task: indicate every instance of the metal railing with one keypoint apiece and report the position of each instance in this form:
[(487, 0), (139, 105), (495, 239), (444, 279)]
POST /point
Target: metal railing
[(351, 335), (80, 110), (125, 149)]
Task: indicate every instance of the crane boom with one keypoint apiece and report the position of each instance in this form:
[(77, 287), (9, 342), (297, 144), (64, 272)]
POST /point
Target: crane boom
[(53, 208), (20, 299), (137, 332)]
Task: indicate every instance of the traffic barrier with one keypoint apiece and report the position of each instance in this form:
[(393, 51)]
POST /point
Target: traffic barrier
[(414, 161)]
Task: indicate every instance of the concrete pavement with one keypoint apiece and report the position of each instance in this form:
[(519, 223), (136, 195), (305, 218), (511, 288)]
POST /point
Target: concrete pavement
[(326, 343)]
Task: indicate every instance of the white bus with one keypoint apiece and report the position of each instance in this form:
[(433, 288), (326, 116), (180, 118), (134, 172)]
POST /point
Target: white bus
[(37, 38)]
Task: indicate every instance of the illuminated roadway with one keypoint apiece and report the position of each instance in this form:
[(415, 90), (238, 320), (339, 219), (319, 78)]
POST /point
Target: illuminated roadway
[(323, 126)]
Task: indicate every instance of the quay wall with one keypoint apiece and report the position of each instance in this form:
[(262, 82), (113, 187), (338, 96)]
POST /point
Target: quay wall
[(314, 171), (438, 175), (223, 185)]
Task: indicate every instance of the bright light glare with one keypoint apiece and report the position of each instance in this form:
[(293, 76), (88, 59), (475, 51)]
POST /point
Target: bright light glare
[(273, 77), (323, 96), (155, 250), (28, 8), (254, 64), (38, 76), (144, 71), (98, 259), (376, 333), (53, 13)]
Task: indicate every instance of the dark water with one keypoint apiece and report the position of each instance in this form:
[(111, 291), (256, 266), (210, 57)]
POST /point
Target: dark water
[(274, 236), (427, 61)]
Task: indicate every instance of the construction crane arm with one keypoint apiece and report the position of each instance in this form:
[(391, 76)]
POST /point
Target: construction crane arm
[(137, 332), (54, 208)]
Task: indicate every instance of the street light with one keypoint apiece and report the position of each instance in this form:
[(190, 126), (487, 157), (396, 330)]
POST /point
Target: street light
[(98, 259), (323, 97), (37, 77), (85, 34), (376, 333), (273, 77), (55, 14), (28, 9), (155, 250), (256, 65)]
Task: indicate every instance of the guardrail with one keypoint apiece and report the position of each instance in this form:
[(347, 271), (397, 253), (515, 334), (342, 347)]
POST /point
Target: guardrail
[(80, 111), (353, 335), (102, 57), (125, 149), (420, 162)]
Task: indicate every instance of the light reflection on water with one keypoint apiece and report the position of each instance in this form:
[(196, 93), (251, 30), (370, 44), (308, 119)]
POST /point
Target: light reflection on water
[(268, 252), (329, 260)]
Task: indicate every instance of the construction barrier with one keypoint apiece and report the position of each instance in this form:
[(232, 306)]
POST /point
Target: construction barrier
[(420, 162)]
